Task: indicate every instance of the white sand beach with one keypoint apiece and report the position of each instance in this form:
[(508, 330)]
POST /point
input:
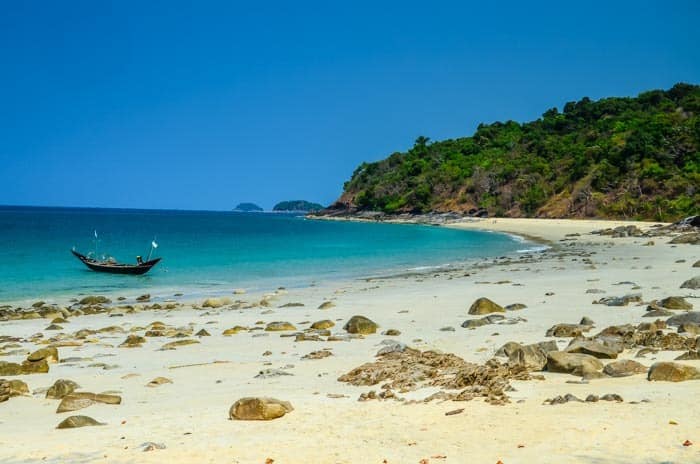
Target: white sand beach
[(190, 416)]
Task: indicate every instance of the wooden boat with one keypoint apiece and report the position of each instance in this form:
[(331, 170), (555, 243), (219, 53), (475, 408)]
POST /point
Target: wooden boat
[(116, 268)]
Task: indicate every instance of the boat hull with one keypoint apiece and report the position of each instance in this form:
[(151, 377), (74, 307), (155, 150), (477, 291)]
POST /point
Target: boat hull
[(131, 269)]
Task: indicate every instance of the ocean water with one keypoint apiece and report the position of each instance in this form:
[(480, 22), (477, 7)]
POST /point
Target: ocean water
[(214, 252)]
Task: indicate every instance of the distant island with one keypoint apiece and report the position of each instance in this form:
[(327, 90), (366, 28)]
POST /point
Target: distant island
[(297, 205), (247, 208), (629, 157)]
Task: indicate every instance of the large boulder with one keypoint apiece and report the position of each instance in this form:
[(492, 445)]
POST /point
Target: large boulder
[(675, 302), (573, 363), (216, 302), (693, 238), (693, 284), (592, 348), (624, 368), (485, 306), (259, 408), (360, 325), (673, 372)]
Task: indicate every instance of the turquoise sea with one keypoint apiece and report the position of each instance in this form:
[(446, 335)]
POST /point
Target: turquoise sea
[(213, 252)]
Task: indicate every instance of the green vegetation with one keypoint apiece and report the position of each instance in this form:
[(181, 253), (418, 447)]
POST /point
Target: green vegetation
[(616, 157), (247, 208), (297, 205)]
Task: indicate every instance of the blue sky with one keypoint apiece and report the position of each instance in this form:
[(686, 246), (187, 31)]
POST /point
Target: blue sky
[(201, 105)]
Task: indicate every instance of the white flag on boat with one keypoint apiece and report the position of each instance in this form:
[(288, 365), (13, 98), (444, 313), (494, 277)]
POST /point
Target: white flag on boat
[(154, 244)]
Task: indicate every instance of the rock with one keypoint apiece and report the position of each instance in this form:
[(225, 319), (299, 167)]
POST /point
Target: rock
[(4, 390), (675, 302), (391, 346), (692, 317), (234, 330), (133, 341), (507, 349), (73, 422), (693, 284), (158, 381), (151, 446), (320, 354), (515, 307), (692, 238), (531, 357), (259, 409), (95, 300), (279, 326), (612, 397), (485, 306), (8, 368), (145, 297), (48, 354), (326, 305), (689, 328), (586, 321), (660, 312), (322, 325), (203, 333), (572, 363), (61, 388), (592, 398), (592, 348), (35, 367), (360, 325), (624, 368), (697, 263), (80, 400), (567, 330), (16, 387), (474, 323), (216, 302), (620, 300), (54, 327), (178, 343), (392, 333), (689, 356), (270, 373), (672, 372)]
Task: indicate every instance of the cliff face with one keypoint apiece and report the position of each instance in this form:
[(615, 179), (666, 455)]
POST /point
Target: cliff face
[(617, 157)]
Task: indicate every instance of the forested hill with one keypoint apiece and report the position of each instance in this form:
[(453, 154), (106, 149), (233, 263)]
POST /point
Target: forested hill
[(615, 157)]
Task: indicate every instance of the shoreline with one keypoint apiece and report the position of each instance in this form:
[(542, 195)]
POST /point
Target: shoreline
[(553, 286)]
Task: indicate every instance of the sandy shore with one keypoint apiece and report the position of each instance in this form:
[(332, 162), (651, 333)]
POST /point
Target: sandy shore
[(329, 424)]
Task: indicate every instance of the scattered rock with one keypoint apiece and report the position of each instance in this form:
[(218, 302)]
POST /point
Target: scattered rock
[(322, 325), (515, 307), (61, 388), (672, 372), (259, 409), (620, 300), (485, 306), (151, 446), (360, 325), (178, 343), (624, 368), (234, 330), (694, 283), (326, 305), (592, 348), (203, 333), (320, 354), (692, 238), (391, 346), (530, 357), (145, 297), (586, 321), (567, 330), (133, 341), (80, 400), (48, 354), (572, 363), (158, 381), (73, 422), (279, 326), (95, 300), (675, 302), (392, 333), (216, 302)]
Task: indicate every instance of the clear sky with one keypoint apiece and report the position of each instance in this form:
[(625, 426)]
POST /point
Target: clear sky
[(201, 105)]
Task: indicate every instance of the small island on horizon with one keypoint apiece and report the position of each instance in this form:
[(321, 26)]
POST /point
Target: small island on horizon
[(297, 206), (247, 208)]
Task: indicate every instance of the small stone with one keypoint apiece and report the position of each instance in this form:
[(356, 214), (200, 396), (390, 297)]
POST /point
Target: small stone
[(151, 446), (133, 341), (326, 305), (259, 408), (61, 388), (158, 381), (675, 302), (672, 372), (145, 297), (392, 333), (234, 330), (279, 326), (203, 333), (693, 284), (94, 300), (48, 354), (73, 422), (322, 325)]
